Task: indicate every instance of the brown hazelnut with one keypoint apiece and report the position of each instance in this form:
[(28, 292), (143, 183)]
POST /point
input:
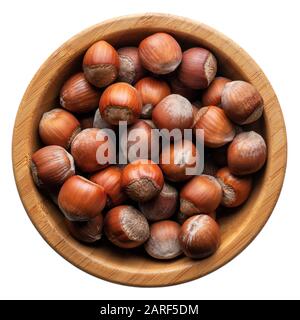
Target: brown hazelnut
[(160, 53), (139, 134), (120, 102), (85, 149), (242, 102), (198, 68), (80, 199), (126, 227), (199, 236), (131, 69), (176, 158), (152, 91), (247, 153), (78, 95), (101, 64), (58, 127), (110, 179), (163, 242), (142, 180), (202, 194), (86, 231), (236, 190), (218, 129), (163, 206), (212, 95), (173, 112), (51, 166)]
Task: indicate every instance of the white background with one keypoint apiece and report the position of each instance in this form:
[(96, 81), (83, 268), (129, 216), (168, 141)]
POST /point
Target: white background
[(268, 30)]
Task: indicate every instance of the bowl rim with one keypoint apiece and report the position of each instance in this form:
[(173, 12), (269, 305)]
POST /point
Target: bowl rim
[(275, 170)]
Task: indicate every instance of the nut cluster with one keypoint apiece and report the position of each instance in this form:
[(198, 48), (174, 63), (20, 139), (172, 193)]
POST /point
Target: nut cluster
[(154, 204)]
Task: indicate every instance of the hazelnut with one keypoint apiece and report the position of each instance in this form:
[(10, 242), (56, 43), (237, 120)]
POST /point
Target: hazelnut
[(86, 231), (212, 95), (152, 91), (218, 129), (101, 64), (139, 137), (236, 190), (80, 199), (163, 242), (78, 95), (247, 153), (58, 127), (142, 180), (51, 166), (173, 112), (176, 158), (160, 53), (131, 69), (85, 147), (199, 236), (202, 194), (198, 68), (110, 179), (126, 227), (242, 102), (120, 102), (163, 206)]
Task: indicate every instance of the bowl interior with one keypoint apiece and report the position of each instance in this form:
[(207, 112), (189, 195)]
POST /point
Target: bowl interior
[(105, 260)]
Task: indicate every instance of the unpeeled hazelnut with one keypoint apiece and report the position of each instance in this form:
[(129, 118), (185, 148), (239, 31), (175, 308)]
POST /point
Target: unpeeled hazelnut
[(120, 102), (202, 194), (218, 129), (242, 102), (58, 127), (163, 242), (126, 227), (78, 95), (101, 64), (142, 180), (199, 236), (236, 190), (163, 206), (51, 166), (247, 153), (160, 53), (198, 68), (80, 199), (173, 112), (131, 69)]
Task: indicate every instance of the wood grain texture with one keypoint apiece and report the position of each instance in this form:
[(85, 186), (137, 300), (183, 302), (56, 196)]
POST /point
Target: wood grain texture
[(133, 267)]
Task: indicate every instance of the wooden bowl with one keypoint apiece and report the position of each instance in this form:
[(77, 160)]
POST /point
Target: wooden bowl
[(134, 267)]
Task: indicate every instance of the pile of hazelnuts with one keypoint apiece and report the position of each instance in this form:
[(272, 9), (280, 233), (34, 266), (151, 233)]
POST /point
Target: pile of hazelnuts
[(154, 85)]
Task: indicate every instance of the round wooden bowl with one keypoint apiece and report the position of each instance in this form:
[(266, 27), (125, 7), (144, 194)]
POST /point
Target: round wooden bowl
[(133, 267)]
